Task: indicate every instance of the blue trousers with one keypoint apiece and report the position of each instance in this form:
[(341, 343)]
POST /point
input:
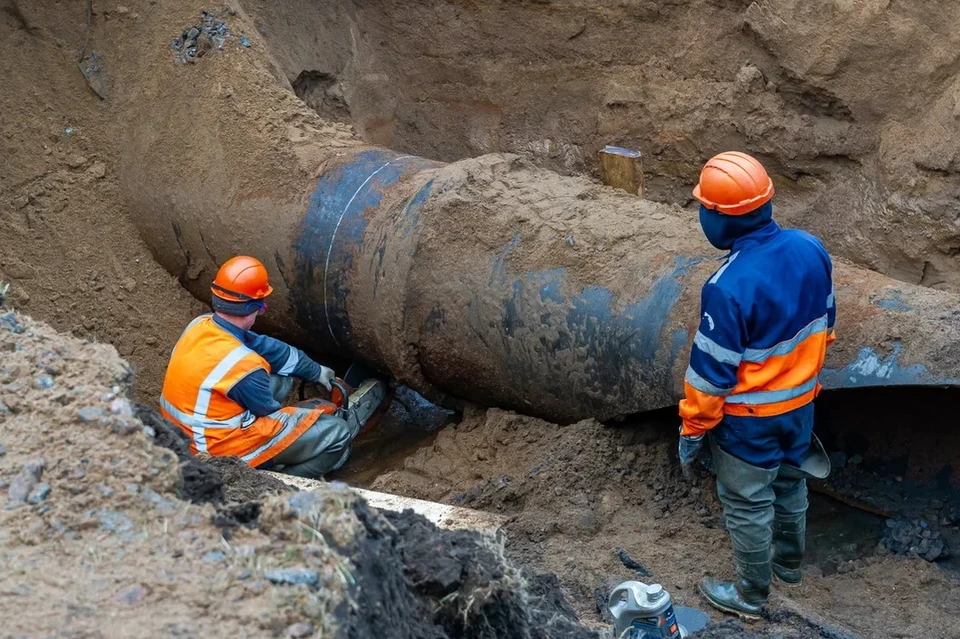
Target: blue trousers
[(765, 442)]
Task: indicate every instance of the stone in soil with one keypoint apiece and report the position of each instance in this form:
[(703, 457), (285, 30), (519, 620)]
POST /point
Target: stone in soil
[(292, 576), (131, 595), (38, 494), (24, 483), (913, 537)]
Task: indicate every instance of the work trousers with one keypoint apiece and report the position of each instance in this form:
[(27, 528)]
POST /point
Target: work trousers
[(759, 505), (322, 448)]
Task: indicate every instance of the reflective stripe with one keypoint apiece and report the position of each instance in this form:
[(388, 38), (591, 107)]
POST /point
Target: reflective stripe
[(289, 421), (760, 355), (831, 300), (703, 385), (714, 350), (215, 377), (199, 437), (759, 398), (716, 276), (291, 362), (241, 420)]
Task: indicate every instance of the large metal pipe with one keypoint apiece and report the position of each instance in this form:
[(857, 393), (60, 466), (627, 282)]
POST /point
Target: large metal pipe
[(484, 279), (511, 286)]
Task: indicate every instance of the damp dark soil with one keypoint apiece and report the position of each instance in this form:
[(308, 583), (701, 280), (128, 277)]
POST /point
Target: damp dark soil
[(409, 576)]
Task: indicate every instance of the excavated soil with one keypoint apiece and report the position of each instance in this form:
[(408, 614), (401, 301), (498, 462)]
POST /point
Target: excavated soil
[(579, 495), (67, 244), (99, 538)]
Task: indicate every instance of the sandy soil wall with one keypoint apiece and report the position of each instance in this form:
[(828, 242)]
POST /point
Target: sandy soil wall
[(852, 105)]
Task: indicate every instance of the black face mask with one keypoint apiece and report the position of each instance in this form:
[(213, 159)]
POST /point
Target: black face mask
[(723, 230)]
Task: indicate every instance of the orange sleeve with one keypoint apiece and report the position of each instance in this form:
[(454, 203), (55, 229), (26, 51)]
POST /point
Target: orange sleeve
[(700, 412), (831, 336)]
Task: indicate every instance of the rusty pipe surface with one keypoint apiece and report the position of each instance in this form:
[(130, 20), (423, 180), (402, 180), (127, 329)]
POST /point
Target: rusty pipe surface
[(485, 279)]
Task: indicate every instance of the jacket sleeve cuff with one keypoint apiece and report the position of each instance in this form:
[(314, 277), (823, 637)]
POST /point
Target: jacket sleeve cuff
[(694, 429)]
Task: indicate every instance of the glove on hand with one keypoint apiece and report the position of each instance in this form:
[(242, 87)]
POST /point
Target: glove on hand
[(689, 447), (326, 376)]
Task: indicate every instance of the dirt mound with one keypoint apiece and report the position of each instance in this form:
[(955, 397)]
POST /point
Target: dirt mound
[(99, 537), (66, 241), (576, 494), (599, 505)]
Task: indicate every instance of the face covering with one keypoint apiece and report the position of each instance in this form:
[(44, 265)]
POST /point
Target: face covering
[(723, 230)]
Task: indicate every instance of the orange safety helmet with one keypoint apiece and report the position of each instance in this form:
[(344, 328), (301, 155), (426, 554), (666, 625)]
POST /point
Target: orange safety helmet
[(733, 183), (242, 279)]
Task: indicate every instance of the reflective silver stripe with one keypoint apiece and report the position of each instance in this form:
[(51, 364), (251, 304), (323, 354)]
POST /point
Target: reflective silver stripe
[(215, 377), (716, 276), (291, 362), (290, 423), (197, 422), (760, 355), (199, 437), (196, 321), (831, 300), (714, 350), (703, 385), (760, 398)]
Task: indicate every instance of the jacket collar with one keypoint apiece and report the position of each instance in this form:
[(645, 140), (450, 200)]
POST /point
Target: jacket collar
[(760, 236)]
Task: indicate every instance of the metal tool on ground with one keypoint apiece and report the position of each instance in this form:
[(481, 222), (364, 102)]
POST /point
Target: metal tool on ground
[(646, 611)]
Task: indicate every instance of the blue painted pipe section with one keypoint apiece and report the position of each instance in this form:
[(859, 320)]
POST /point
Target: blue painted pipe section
[(332, 236)]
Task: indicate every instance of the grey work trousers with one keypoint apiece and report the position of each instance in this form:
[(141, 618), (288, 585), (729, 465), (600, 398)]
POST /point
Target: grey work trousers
[(322, 448), (755, 501)]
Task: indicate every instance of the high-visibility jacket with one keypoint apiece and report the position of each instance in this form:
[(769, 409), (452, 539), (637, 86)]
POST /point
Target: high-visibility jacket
[(767, 316), (206, 363)]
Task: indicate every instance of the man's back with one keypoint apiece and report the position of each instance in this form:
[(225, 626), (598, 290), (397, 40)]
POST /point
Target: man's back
[(782, 282)]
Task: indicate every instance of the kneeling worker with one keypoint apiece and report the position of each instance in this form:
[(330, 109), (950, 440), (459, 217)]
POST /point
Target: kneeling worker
[(224, 385), (767, 317)]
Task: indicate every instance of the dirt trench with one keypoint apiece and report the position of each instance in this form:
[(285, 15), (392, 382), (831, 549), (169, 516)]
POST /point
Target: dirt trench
[(874, 175), (111, 528)]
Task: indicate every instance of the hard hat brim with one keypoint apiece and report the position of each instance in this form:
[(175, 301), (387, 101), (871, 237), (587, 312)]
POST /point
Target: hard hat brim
[(231, 296), (740, 208)]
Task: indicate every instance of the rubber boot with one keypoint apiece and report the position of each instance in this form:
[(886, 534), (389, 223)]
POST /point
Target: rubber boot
[(746, 596), (789, 526), (788, 545), (747, 494)]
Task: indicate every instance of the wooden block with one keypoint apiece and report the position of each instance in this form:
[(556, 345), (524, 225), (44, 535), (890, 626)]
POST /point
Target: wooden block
[(622, 169)]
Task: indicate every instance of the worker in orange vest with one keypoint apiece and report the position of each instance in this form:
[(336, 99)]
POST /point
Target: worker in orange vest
[(224, 385), (766, 319)]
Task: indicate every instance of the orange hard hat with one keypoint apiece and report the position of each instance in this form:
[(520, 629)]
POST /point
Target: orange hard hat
[(733, 183), (242, 279)]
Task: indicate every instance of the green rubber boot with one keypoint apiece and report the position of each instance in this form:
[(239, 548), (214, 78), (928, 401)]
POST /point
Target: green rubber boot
[(789, 545), (747, 596)]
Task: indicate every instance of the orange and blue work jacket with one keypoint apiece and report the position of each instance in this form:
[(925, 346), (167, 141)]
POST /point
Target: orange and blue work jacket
[(209, 362), (767, 317)]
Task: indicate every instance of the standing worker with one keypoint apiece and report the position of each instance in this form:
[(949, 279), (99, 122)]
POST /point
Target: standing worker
[(767, 317), (224, 385)]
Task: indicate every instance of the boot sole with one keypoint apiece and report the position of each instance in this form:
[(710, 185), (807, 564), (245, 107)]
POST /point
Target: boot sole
[(788, 584), (746, 616), (785, 582)]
